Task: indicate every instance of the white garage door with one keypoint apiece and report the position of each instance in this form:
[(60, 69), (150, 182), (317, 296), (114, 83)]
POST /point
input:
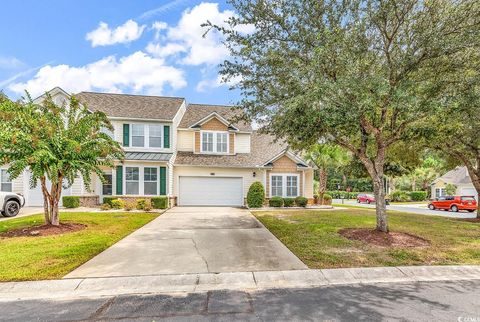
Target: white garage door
[(35, 195), (210, 191), (469, 192)]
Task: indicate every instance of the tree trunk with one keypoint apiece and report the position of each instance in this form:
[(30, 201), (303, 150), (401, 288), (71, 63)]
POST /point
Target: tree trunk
[(322, 184), (344, 181), (475, 177), (380, 205), (375, 169), (414, 184), (46, 200), (51, 200)]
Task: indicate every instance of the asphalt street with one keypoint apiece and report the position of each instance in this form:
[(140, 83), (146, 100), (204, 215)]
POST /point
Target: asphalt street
[(420, 209), (419, 301)]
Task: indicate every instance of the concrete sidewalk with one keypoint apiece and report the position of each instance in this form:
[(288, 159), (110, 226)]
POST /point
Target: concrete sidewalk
[(246, 281)]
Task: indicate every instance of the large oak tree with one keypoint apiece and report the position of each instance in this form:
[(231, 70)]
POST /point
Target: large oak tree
[(360, 73)]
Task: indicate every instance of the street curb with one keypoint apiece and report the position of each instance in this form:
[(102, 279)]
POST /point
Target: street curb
[(251, 281)]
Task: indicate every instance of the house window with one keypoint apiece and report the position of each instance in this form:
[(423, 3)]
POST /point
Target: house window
[(207, 142), (277, 186), (150, 181), (221, 142), (292, 186), (284, 185), (107, 184), (215, 142), (5, 181), (138, 135), (132, 175), (155, 136), (439, 192)]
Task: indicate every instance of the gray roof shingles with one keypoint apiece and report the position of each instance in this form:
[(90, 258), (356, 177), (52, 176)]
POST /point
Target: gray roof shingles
[(197, 112), (132, 106), (457, 176), (263, 149), (148, 156)]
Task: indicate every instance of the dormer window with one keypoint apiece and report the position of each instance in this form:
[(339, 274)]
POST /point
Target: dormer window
[(214, 142)]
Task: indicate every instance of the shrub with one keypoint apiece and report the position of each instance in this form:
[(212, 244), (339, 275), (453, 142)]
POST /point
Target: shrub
[(327, 199), (118, 204), (302, 201), (71, 201), (108, 200), (148, 205), (159, 202), (256, 195), (129, 205), (450, 189), (400, 195), (140, 204), (418, 195), (288, 202), (275, 202), (105, 206)]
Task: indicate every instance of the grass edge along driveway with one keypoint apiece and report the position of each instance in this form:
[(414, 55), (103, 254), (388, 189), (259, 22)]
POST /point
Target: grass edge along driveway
[(52, 257), (313, 236)]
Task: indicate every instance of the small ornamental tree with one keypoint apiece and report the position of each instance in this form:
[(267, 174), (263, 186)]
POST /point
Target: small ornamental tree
[(361, 73), (56, 143), (450, 189), (256, 195)]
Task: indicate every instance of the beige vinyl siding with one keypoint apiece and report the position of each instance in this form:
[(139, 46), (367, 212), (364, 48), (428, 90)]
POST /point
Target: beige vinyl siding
[(17, 184), (242, 143), (309, 183), (185, 141)]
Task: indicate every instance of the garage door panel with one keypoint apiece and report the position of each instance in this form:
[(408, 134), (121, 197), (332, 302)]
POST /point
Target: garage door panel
[(208, 191)]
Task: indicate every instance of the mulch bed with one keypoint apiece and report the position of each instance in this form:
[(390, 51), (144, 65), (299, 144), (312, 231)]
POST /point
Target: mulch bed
[(45, 230), (378, 238)]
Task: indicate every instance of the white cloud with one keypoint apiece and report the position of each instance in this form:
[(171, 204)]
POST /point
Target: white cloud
[(10, 63), (137, 73), (188, 36), (162, 9), (206, 84), (104, 36)]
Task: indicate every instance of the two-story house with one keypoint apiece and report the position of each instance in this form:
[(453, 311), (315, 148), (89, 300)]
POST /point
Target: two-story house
[(191, 153)]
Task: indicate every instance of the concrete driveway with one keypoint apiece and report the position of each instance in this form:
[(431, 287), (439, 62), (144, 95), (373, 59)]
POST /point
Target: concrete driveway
[(194, 240), (25, 211)]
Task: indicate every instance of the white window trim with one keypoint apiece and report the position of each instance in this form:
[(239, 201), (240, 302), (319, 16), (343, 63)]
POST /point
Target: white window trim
[(146, 136), (2, 182), (141, 178), (110, 173), (284, 184), (157, 182), (140, 181), (214, 142)]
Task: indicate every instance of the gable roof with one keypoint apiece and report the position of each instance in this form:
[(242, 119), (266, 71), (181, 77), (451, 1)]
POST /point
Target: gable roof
[(196, 113), (457, 176), (132, 106), (263, 149)]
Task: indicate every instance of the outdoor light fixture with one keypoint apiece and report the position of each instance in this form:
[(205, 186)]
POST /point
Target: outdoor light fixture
[(254, 174)]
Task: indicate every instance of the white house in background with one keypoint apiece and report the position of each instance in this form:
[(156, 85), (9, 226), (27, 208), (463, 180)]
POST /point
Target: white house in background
[(458, 177), (191, 153)]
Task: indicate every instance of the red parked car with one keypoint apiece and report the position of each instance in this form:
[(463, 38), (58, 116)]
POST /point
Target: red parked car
[(365, 198), (454, 203)]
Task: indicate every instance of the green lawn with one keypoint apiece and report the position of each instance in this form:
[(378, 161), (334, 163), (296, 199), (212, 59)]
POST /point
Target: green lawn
[(50, 257), (313, 236)]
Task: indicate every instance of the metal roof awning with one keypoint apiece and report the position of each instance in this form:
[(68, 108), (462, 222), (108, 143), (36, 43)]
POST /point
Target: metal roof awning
[(148, 156)]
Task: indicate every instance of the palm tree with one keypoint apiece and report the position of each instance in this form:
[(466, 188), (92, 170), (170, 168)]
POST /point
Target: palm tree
[(326, 156), (55, 143)]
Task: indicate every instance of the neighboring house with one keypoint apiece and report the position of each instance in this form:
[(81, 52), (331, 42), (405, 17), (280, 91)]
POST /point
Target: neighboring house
[(458, 177), (189, 152)]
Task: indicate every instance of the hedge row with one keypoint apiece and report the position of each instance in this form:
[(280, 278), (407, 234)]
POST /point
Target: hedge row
[(403, 196), (342, 194), (287, 202), (157, 202)]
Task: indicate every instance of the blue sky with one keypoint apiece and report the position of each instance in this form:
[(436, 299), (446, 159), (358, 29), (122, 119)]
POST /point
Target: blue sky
[(125, 46)]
